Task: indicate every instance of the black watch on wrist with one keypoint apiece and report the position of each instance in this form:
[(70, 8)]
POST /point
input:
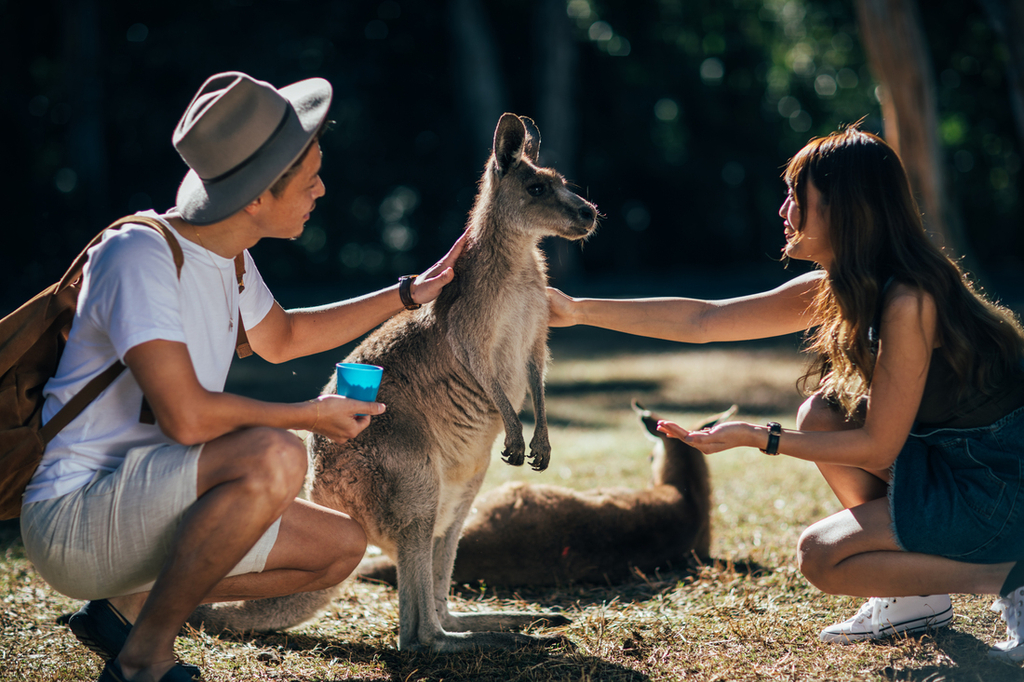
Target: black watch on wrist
[(774, 431), (405, 292)]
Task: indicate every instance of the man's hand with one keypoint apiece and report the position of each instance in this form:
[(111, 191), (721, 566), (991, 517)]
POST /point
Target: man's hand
[(427, 286), (342, 419)]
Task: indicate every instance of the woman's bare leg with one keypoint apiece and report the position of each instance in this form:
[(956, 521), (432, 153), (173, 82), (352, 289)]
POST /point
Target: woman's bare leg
[(852, 486), (853, 552)]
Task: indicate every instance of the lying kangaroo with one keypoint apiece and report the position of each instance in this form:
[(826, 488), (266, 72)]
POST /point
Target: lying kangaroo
[(522, 534), (456, 373)]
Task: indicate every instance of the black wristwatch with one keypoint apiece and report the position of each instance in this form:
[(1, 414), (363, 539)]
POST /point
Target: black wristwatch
[(405, 292), (774, 431)]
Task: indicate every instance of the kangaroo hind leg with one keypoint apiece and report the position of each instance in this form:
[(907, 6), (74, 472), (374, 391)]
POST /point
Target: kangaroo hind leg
[(445, 549), (420, 624)]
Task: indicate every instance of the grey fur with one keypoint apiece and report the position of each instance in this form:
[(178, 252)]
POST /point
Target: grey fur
[(456, 373)]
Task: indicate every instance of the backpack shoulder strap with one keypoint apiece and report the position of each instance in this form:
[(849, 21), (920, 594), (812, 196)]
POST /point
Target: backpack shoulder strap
[(168, 234), (75, 271), (101, 381), (242, 343), (79, 401)]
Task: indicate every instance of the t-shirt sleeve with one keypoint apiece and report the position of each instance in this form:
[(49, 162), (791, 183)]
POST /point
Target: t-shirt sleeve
[(256, 299), (133, 290)]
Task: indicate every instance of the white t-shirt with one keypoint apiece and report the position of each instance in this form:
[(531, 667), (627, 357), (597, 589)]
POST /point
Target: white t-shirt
[(131, 294)]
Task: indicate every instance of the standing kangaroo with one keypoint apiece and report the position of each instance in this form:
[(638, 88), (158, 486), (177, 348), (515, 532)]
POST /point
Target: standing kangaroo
[(456, 373), (538, 534)]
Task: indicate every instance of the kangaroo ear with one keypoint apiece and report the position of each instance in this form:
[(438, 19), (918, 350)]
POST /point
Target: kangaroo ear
[(532, 149), (719, 418), (509, 141), (648, 419)]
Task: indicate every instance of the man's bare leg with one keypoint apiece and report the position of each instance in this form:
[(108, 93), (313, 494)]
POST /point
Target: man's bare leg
[(297, 563), (246, 481)]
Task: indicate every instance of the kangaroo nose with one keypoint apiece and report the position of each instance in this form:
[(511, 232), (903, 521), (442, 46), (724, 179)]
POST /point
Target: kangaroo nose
[(586, 213)]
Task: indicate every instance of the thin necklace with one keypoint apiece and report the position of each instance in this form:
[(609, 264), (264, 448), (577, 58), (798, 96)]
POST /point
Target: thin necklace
[(220, 277)]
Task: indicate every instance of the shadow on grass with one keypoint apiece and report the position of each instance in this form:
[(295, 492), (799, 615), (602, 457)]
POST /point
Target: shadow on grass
[(968, 662), (642, 588), (10, 533), (560, 662), (578, 388)]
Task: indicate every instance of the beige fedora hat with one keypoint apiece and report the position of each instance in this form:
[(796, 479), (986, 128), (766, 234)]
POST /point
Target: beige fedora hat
[(238, 136)]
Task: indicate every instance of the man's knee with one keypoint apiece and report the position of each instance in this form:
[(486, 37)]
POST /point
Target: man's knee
[(278, 463), (334, 549), (349, 551)]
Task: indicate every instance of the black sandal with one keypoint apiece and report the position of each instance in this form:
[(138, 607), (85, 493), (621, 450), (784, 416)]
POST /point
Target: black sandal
[(102, 628), (112, 673)]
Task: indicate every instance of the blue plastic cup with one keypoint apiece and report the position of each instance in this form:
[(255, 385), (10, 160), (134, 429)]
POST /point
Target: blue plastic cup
[(357, 381)]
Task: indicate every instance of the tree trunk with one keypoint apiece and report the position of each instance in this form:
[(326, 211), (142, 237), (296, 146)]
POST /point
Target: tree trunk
[(894, 41), (555, 68), (479, 83), (1007, 19), (86, 148)]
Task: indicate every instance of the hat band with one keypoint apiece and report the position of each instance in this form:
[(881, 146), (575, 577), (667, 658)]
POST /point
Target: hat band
[(252, 157)]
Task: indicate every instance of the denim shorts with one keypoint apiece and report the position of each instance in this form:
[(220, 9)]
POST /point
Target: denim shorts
[(959, 493)]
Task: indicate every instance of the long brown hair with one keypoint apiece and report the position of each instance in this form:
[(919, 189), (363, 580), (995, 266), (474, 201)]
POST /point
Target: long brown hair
[(876, 233)]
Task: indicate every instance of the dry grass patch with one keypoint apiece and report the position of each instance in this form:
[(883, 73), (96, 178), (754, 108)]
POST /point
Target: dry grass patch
[(746, 615)]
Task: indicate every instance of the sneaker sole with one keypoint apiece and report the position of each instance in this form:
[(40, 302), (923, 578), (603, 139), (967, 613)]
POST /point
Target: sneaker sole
[(908, 627), (1014, 655)]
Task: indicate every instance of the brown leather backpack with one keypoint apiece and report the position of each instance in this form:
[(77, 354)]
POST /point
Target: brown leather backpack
[(32, 339)]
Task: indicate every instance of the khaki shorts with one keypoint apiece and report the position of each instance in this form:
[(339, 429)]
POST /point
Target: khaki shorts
[(112, 537)]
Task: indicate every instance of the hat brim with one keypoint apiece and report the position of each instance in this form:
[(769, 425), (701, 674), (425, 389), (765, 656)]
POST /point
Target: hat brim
[(202, 203)]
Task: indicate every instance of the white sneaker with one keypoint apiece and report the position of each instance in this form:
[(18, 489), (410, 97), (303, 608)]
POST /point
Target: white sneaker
[(886, 616), (1012, 611)]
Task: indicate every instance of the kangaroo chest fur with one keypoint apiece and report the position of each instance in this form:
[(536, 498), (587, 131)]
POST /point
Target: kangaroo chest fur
[(437, 434)]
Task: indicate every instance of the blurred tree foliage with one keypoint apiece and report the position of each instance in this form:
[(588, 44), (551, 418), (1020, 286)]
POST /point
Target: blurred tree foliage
[(683, 114)]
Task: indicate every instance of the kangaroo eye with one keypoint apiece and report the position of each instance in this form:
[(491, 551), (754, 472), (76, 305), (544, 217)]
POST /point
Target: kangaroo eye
[(535, 190)]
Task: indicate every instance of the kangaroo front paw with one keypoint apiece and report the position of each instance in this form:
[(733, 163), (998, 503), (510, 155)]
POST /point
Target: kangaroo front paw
[(514, 452), (540, 456), (515, 457)]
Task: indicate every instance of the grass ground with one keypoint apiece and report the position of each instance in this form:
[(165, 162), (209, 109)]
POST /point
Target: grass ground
[(746, 615)]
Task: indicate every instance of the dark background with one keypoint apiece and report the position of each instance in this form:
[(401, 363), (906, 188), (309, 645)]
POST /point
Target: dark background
[(676, 119)]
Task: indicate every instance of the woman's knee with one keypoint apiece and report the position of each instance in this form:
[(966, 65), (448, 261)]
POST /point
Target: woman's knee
[(819, 414), (816, 559)]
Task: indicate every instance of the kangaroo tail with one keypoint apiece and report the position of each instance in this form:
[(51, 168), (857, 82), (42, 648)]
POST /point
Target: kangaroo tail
[(262, 615), (378, 569)]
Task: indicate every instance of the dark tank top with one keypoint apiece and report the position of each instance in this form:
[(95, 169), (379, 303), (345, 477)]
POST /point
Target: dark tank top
[(945, 404)]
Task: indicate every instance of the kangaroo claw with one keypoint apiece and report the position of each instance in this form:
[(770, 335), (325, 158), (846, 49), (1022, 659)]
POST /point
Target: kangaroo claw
[(539, 460), (540, 454), (515, 458)]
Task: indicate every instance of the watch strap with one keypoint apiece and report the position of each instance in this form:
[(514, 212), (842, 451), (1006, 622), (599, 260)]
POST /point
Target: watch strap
[(405, 292), (774, 431)]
